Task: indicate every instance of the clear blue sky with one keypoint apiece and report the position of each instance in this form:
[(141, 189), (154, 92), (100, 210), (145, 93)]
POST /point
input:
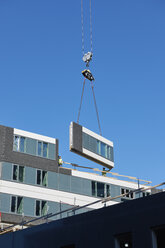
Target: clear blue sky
[(41, 81)]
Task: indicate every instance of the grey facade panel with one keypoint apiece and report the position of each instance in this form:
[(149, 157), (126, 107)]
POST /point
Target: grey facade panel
[(31, 146), (53, 207), (115, 190), (30, 175), (28, 206), (7, 169), (4, 203), (64, 182), (8, 155), (51, 153), (86, 187), (52, 180), (76, 185)]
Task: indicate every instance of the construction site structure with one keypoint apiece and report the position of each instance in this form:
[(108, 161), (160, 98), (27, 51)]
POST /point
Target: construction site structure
[(35, 189)]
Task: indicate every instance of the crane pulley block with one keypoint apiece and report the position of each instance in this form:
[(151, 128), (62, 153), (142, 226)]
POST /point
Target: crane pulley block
[(87, 74)]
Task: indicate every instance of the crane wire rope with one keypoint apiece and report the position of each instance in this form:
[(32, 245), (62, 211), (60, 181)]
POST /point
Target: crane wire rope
[(83, 52), (91, 26), (81, 102), (97, 113), (82, 26)]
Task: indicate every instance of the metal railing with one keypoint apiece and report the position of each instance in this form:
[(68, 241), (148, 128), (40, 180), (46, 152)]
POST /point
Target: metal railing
[(109, 174)]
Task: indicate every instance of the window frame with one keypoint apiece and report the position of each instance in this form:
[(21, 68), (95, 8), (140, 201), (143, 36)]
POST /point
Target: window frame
[(41, 207), (41, 177), (42, 149), (18, 173), (17, 198), (19, 144), (126, 190)]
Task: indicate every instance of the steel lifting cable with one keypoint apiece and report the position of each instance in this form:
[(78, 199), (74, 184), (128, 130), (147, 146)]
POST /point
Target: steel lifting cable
[(82, 26), (96, 108), (91, 26), (81, 102)]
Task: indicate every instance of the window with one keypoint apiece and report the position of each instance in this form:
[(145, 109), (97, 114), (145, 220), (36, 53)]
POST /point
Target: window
[(98, 147), (93, 188), (158, 237), (18, 173), (123, 241), (42, 178), (34, 147), (128, 192), (108, 190), (41, 208), (22, 144), (43, 149), (19, 144), (17, 204), (16, 143), (39, 148), (100, 189)]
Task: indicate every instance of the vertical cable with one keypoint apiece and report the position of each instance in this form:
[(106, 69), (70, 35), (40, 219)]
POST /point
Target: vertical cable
[(82, 26), (91, 26), (81, 102), (96, 109)]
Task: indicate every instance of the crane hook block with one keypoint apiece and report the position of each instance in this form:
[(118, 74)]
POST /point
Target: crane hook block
[(87, 58), (87, 74)]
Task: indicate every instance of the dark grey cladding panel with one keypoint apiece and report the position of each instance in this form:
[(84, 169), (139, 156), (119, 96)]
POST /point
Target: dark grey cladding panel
[(2, 140), (76, 137), (8, 155)]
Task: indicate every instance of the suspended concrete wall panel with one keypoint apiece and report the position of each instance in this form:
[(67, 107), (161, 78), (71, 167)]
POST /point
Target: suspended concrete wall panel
[(91, 145)]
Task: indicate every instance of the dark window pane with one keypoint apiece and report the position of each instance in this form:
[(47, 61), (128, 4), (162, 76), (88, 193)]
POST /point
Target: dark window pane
[(45, 150), (15, 172), (39, 148), (21, 173), (127, 191), (19, 204), (160, 237), (13, 204), (102, 149), (100, 189), (132, 196), (93, 188), (44, 208), (44, 178), (16, 143), (22, 144), (122, 191), (37, 208), (108, 190), (38, 177)]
